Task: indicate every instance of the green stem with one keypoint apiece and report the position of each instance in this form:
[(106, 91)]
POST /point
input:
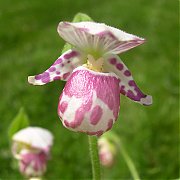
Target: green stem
[(93, 148), (129, 162)]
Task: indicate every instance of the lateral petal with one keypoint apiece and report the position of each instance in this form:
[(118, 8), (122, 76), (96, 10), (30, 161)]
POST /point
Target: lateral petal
[(128, 87), (60, 70)]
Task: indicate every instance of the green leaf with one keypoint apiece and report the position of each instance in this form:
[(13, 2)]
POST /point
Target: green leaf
[(19, 122), (79, 17)]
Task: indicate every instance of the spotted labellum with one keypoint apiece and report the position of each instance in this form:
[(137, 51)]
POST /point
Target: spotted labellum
[(95, 76)]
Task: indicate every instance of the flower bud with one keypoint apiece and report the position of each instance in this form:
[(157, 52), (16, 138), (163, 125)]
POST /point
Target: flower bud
[(31, 147), (107, 152)]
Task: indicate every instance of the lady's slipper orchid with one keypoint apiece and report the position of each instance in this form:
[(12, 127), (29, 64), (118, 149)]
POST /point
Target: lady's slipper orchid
[(95, 76), (107, 152), (31, 147)]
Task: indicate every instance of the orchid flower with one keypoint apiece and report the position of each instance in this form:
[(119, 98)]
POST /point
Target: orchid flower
[(107, 152), (95, 76), (31, 147)]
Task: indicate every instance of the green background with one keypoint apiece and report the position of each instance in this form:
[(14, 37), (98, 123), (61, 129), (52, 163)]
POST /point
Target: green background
[(29, 44)]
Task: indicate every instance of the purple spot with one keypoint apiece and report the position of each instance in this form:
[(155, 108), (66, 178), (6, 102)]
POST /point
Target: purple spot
[(66, 75), (57, 72), (122, 90), (51, 69), (113, 61), (131, 95), (70, 55), (132, 83), (58, 61), (45, 75), (119, 66), (46, 80), (38, 77), (62, 65), (96, 115), (63, 106), (127, 73), (79, 116), (56, 78)]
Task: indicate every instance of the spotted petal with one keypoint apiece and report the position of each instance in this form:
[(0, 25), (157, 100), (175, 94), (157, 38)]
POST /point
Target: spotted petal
[(61, 69), (128, 86), (91, 36)]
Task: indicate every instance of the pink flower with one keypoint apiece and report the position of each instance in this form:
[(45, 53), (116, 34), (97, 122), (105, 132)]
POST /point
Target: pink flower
[(31, 147), (107, 152), (95, 76)]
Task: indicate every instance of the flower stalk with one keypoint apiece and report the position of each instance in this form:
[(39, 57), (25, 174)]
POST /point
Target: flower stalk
[(93, 149), (130, 164), (128, 161)]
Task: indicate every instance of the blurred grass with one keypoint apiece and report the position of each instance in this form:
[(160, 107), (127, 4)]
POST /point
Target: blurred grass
[(29, 43)]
